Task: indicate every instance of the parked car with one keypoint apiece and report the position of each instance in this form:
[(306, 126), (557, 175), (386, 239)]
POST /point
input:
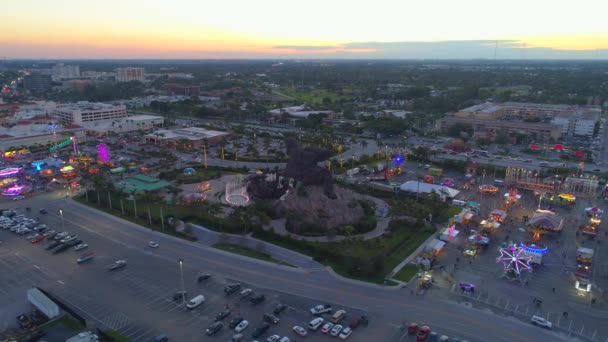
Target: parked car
[(195, 302), (245, 293), (231, 288), (278, 308), (338, 316), (118, 264), (259, 331), (81, 247), (214, 328), (326, 328), (321, 309), (537, 320), (242, 326), (202, 277), (153, 244), (345, 333), (85, 257), (235, 321), (335, 330), (257, 299), (43, 211), (223, 314), (412, 328), (272, 319), (315, 323), (273, 338), (423, 333), (299, 330)]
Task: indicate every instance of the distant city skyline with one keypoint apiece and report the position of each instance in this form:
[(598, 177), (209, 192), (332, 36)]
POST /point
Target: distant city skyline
[(392, 29)]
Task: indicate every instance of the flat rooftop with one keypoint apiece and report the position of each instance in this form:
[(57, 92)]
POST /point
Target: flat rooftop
[(141, 183), (87, 106), (189, 133)]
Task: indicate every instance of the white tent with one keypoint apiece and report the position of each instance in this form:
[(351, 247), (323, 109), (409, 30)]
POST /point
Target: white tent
[(426, 188)]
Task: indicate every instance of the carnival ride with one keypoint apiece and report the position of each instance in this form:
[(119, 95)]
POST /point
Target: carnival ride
[(64, 143), (11, 171), (543, 222), (515, 262), (17, 189), (488, 189)]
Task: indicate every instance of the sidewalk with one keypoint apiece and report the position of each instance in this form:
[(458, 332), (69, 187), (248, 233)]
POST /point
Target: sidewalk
[(209, 238)]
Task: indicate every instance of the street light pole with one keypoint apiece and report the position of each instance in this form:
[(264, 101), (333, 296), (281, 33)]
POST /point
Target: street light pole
[(61, 215), (181, 271)]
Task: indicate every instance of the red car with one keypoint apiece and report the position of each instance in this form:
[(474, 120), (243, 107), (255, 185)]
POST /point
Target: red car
[(423, 333), (412, 328), (37, 239)]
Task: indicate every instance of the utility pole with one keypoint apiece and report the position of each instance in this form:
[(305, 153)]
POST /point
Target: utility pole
[(181, 271)]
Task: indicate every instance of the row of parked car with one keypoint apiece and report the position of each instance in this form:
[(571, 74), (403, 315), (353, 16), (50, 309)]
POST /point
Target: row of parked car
[(35, 232)]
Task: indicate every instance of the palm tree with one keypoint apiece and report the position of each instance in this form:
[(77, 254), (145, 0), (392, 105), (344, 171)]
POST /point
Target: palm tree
[(99, 183), (134, 197)]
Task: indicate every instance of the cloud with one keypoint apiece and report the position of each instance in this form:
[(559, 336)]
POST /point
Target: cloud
[(306, 47), (470, 49)]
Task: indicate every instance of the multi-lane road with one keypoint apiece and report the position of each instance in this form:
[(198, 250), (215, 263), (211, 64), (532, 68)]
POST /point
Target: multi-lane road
[(112, 238)]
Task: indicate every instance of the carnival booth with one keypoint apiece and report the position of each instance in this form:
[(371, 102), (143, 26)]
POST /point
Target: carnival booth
[(478, 239), (498, 215), (511, 198), (488, 225), (465, 216), (67, 172), (535, 250), (434, 246), (449, 233), (474, 207)]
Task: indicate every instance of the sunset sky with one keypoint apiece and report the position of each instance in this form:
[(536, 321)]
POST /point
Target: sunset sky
[(304, 29)]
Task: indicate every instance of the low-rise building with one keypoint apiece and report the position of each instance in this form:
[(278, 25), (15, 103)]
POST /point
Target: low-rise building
[(126, 124), (37, 82), (130, 74), (182, 89), (298, 111), (83, 112), (538, 131), (186, 138)]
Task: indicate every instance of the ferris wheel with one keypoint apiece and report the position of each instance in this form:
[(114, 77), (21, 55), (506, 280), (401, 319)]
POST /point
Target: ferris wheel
[(514, 260)]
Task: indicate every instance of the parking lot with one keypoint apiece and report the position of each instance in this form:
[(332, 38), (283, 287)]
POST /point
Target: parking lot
[(141, 304)]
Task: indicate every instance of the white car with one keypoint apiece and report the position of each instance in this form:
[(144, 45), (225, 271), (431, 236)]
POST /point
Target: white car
[(321, 309), (81, 247), (345, 333), (273, 338), (326, 328), (242, 326), (335, 330), (16, 198), (537, 320), (153, 244), (284, 339)]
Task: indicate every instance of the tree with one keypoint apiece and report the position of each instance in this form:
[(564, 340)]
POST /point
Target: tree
[(460, 130), (99, 183)]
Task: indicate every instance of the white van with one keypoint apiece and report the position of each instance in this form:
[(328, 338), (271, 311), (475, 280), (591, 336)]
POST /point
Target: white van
[(196, 301), (315, 323), (459, 203)]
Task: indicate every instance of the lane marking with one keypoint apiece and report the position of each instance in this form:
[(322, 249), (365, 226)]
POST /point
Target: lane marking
[(60, 282), (37, 267)]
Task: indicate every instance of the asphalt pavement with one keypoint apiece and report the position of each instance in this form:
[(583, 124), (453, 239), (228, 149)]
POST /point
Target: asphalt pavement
[(116, 302)]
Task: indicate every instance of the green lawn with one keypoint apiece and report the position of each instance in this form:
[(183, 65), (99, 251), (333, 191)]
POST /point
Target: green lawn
[(314, 97), (248, 252), (406, 273), (66, 321), (118, 337), (369, 260)]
